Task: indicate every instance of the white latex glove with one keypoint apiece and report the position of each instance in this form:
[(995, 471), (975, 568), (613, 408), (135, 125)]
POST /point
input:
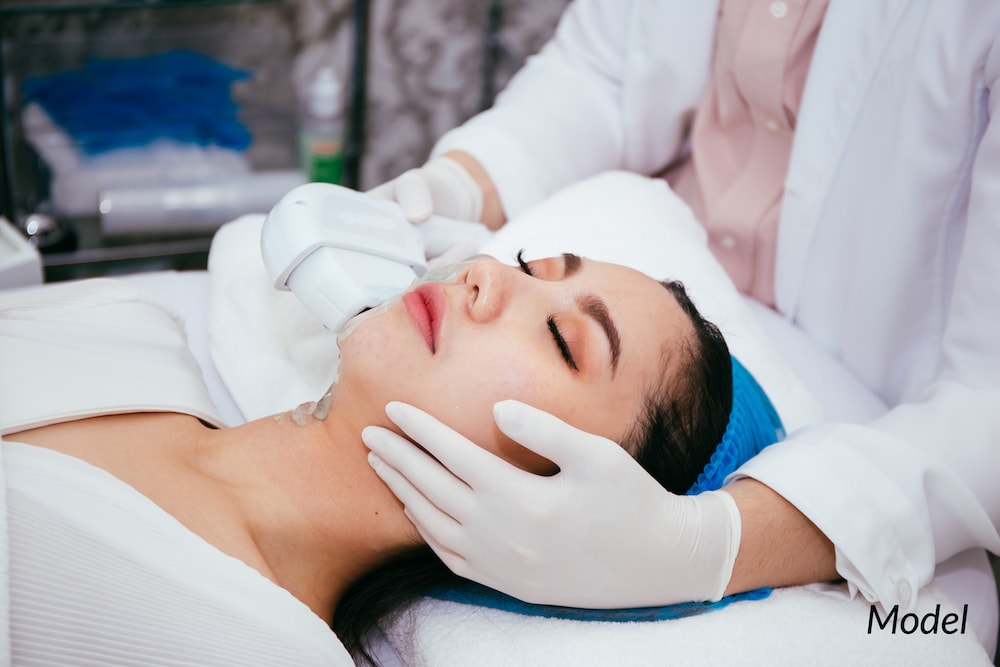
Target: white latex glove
[(440, 187), (599, 534)]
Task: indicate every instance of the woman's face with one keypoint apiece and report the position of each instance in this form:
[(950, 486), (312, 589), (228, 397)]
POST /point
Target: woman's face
[(580, 339)]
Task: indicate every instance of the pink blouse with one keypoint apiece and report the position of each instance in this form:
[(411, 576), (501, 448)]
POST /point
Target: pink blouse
[(741, 139)]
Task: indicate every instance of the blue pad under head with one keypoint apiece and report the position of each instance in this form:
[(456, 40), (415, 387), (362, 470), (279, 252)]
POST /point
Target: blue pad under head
[(469, 592)]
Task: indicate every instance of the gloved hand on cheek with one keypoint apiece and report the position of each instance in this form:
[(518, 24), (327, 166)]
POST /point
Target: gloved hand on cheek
[(600, 534)]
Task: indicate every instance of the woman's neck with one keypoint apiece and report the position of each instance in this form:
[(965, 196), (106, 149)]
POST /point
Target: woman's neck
[(317, 515)]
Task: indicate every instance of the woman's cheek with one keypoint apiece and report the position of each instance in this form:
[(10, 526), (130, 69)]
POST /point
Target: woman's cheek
[(381, 373), (525, 379), (523, 458), (464, 396)]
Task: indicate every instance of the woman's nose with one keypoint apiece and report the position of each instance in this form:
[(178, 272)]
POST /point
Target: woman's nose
[(489, 283)]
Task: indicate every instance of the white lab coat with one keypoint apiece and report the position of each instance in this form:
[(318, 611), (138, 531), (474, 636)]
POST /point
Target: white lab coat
[(888, 247)]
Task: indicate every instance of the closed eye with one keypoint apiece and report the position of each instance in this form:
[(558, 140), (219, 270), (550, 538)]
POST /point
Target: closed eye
[(523, 264), (561, 343), (557, 336)]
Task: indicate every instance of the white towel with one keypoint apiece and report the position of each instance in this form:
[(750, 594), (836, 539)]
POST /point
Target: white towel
[(814, 625)]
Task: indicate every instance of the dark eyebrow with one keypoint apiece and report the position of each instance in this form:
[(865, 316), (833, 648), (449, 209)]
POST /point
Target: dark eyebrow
[(598, 310), (571, 264)]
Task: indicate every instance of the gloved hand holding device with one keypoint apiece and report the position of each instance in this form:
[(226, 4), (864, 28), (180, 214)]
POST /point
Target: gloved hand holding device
[(601, 533), (341, 251), (440, 187)]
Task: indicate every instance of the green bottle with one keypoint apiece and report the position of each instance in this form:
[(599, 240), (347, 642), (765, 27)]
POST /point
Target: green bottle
[(321, 140)]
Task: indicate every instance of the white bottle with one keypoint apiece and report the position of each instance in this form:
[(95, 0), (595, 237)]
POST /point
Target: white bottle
[(321, 138)]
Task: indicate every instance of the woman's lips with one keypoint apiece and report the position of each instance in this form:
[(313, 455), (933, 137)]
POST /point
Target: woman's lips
[(426, 305)]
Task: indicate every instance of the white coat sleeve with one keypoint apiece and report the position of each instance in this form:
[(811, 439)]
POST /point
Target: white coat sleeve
[(613, 89), (921, 483)]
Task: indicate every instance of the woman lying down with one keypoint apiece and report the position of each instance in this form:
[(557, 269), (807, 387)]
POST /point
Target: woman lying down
[(138, 532)]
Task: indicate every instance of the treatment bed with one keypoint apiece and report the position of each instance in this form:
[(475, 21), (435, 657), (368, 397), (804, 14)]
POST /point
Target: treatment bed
[(230, 313)]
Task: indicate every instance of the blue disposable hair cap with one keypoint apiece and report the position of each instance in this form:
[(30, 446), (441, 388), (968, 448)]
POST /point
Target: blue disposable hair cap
[(753, 425)]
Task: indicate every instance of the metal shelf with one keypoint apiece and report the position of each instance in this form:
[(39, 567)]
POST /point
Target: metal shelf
[(178, 255), (95, 255), (24, 7)]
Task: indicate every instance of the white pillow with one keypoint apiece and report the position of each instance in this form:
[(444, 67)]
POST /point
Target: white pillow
[(639, 222)]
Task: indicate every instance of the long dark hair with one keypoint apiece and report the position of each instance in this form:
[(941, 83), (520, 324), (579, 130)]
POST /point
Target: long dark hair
[(683, 418)]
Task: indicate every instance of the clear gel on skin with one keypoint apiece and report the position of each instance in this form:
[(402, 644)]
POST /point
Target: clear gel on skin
[(305, 413)]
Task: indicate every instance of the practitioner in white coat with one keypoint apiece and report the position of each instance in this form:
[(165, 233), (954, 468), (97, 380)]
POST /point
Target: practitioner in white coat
[(846, 163)]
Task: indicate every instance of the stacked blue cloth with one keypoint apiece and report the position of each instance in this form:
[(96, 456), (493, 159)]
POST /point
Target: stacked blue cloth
[(109, 104), (753, 425)]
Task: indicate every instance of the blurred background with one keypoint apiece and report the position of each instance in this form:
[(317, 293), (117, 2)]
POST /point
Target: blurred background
[(131, 129)]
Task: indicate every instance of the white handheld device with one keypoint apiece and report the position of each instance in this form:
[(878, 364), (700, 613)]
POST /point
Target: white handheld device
[(341, 251)]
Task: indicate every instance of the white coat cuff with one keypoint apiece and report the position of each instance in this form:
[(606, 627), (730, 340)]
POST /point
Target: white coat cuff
[(883, 544)]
